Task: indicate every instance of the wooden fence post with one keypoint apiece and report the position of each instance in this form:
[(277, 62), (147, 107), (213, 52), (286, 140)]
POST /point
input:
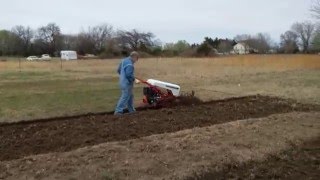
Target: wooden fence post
[(19, 64)]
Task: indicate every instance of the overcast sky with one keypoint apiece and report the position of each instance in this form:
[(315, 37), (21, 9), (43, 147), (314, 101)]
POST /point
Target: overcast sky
[(169, 20)]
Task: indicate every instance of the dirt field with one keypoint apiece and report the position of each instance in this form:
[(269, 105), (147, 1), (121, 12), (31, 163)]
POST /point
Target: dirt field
[(68, 134), (19, 140), (297, 162), (200, 152)]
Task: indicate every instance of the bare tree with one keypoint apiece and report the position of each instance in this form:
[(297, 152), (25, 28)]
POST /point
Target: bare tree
[(135, 40), (85, 44), (304, 31), (24, 35), (263, 42), (316, 40), (112, 48), (69, 42), (177, 48), (242, 37), (94, 40), (315, 9), (100, 35), (7, 45), (225, 46), (289, 42), (50, 36)]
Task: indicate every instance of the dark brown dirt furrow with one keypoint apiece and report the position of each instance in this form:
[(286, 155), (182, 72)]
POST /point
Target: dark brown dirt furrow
[(23, 139)]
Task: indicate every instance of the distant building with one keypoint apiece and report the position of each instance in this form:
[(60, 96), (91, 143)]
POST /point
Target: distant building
[(272, 51), (241, 48)]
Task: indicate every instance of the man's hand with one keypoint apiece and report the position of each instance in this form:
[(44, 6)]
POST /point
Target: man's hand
[(137, 81)]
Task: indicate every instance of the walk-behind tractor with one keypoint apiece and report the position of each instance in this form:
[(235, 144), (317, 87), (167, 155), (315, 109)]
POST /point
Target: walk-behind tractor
[(158, 93)]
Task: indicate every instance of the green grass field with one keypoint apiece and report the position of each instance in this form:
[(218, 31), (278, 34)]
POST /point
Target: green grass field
[(42, 89)]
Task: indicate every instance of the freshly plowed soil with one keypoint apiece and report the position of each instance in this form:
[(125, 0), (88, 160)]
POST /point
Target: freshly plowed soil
[(299, 162), (64, 134)]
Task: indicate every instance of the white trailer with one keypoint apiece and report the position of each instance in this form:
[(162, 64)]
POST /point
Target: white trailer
[(69, 55)]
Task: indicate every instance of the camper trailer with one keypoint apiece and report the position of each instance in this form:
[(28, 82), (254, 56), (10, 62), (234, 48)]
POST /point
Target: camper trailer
[(69, 55)]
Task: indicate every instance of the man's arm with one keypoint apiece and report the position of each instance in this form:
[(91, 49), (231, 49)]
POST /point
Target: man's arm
[(119, 68), (129, 70)]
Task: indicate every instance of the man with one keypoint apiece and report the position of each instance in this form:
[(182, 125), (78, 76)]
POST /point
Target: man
[(126, 73)]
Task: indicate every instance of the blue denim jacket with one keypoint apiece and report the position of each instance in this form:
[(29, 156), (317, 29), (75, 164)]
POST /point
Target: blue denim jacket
[(126, 72)]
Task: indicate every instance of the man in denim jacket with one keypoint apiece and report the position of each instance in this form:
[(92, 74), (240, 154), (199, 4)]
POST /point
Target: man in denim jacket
[(126, 73)]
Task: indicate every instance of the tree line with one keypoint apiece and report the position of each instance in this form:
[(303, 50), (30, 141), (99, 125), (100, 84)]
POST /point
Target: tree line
[(106, 42), (304, 36), (99, 40)]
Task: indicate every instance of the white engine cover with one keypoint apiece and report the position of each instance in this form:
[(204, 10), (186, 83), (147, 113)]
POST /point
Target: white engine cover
[(175, 89)]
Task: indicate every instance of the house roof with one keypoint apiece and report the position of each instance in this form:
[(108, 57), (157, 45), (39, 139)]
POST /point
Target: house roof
[(242, 43)]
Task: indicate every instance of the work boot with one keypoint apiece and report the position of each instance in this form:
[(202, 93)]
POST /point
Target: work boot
[(118, 114), (132, 112)]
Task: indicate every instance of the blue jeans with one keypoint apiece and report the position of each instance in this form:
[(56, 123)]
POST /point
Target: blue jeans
[(125, 101)]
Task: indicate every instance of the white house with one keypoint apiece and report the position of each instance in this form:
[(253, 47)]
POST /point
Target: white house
[(241, 48), (69, 55)]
